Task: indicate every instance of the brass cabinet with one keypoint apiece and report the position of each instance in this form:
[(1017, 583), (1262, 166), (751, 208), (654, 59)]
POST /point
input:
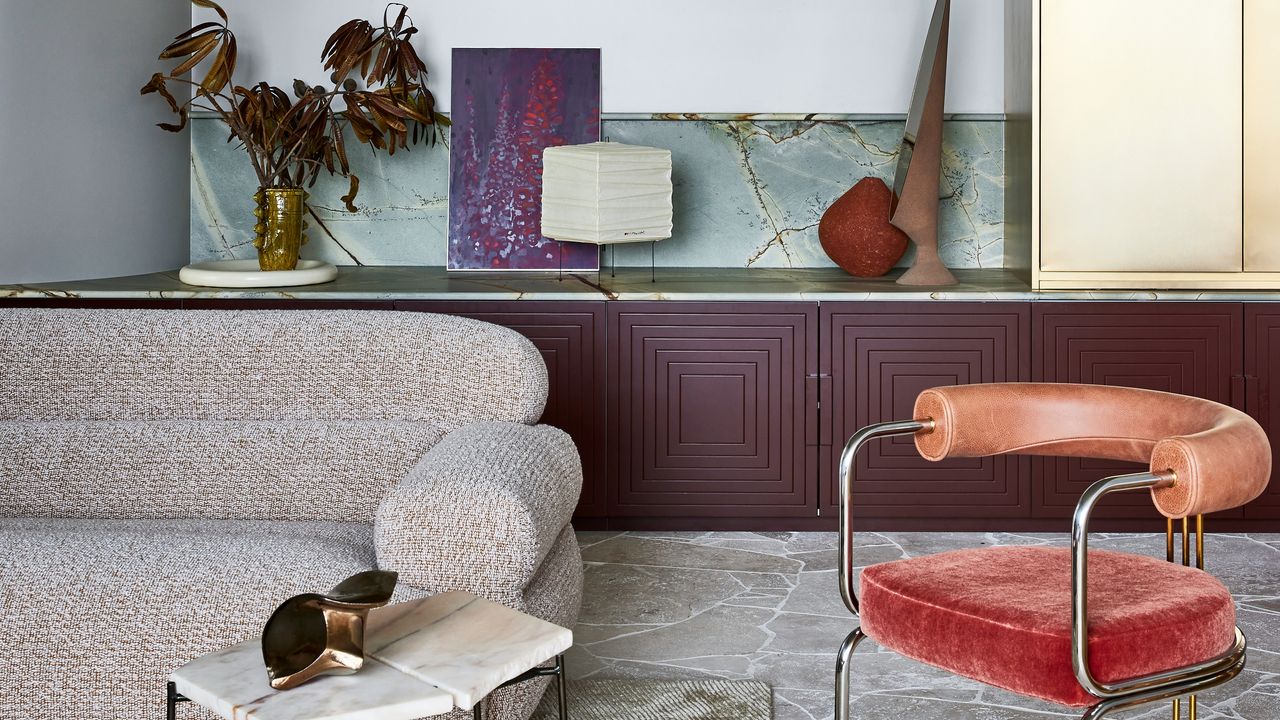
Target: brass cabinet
[(1153, 156)]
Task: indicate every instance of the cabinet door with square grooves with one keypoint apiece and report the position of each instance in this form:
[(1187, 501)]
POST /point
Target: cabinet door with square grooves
[(707, 409), (1262, 367), (875, 359), (1187, 348)]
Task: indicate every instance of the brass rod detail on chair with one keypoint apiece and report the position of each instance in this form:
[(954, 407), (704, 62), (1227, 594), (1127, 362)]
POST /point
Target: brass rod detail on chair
[(1191, 701), (1169, 555), (1200, 541), (1186, 543)]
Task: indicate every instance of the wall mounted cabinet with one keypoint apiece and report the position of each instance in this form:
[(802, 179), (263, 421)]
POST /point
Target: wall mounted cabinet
[(1151, 160)]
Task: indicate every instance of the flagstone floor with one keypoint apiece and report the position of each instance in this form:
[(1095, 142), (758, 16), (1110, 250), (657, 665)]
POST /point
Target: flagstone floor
[(741, 605)]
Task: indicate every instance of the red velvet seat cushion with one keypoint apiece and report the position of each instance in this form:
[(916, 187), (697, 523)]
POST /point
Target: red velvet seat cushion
[(1002, 615)]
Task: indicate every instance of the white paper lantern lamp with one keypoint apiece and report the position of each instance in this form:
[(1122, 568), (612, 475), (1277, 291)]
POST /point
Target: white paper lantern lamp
[(606, 193)]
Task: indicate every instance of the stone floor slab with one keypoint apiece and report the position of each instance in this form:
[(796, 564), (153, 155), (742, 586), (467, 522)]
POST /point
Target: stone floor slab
[(782, 620)]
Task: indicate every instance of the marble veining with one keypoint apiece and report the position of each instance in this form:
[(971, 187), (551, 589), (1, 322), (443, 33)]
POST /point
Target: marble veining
[(463, 644), (748, 192), (233, 683), (764, 606), (423, 657)]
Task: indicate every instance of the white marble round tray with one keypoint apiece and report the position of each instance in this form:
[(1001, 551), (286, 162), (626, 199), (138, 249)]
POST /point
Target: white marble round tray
[(245, 274)]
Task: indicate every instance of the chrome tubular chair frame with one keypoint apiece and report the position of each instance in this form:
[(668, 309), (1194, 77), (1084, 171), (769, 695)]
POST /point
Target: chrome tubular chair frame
[(848, 592), (1159, 686)]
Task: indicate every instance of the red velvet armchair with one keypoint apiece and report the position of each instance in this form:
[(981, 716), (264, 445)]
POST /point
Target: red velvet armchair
[(1089, 629)]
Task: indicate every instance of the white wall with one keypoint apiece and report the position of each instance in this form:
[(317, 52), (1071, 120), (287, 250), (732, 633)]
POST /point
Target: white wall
[(795, 56), (89, 187)]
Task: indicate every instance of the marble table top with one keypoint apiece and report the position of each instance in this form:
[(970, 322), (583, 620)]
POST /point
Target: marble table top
[(712, 284), (422, 657)]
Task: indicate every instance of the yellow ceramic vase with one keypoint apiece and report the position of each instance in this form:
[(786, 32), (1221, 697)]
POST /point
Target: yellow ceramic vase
[(278, 234)]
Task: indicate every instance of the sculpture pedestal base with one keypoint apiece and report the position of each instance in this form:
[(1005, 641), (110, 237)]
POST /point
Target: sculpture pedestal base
[(927, 270)]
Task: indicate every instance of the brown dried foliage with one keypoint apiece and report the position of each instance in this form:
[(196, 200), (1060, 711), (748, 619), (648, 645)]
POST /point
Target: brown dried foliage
[(289, 140)]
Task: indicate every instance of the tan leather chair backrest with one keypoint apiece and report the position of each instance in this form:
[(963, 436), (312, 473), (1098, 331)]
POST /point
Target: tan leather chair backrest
[(1221, 456)]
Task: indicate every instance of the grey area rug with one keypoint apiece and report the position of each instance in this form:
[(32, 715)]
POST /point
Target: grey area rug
[(663, 700)]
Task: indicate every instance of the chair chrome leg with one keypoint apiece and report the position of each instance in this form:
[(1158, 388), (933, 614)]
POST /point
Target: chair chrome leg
[(1094, 713), (843, 659)]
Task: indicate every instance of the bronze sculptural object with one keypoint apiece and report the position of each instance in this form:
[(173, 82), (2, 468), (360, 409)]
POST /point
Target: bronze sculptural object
[(312, 634), (915, 184)]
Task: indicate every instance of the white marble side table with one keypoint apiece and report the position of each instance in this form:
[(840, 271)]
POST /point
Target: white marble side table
[(423, 657)]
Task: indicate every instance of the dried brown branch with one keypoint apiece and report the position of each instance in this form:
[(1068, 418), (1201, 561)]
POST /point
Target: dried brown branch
[(290, 141)]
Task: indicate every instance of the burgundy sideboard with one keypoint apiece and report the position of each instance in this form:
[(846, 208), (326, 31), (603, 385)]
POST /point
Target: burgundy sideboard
[(731, 415)]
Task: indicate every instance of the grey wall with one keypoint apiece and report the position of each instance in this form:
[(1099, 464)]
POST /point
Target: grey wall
[(89, 187)]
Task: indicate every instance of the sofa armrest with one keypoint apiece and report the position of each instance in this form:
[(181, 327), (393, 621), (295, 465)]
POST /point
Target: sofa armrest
[(481, 509)]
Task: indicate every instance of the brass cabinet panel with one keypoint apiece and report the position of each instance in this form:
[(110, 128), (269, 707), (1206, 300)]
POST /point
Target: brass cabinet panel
[(1141, 135), (1261, 136)]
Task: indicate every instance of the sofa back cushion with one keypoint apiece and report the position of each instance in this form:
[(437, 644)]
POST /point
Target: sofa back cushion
[(269, 365), (287, 470)]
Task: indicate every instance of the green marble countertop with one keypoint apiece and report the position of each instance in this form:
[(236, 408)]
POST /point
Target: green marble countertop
[(709, 284)]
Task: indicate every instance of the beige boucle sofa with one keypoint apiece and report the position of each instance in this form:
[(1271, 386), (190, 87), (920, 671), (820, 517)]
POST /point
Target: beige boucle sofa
[(170, 476)]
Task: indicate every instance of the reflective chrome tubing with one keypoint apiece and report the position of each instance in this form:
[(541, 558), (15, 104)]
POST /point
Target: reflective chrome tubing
[(848, 458), (1178, 680)]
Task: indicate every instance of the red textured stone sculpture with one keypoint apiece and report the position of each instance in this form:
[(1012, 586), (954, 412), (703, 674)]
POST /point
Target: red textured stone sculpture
[(856, 234)]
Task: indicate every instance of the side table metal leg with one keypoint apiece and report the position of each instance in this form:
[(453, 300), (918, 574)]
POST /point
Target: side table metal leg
[(476, 713), (561, 690), (171, 702)]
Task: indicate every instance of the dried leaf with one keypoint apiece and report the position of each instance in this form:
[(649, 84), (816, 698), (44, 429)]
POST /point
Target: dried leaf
[(182, 122), (412, 112), (185, 66), (220, 71), (339, 145), (182, 48), (156, 85), (349, 198), (415, 63), (376, 74), (337, 35), (198, 28), (210, 4)]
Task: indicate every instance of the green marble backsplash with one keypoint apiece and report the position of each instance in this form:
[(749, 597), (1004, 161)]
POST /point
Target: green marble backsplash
[(748, 193)]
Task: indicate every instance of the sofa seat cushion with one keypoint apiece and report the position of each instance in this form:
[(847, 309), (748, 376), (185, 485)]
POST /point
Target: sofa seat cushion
[(1003, 616), (98, 612)]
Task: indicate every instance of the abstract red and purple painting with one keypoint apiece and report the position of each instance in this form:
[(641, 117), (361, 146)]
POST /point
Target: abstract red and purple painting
[(508, 105)]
